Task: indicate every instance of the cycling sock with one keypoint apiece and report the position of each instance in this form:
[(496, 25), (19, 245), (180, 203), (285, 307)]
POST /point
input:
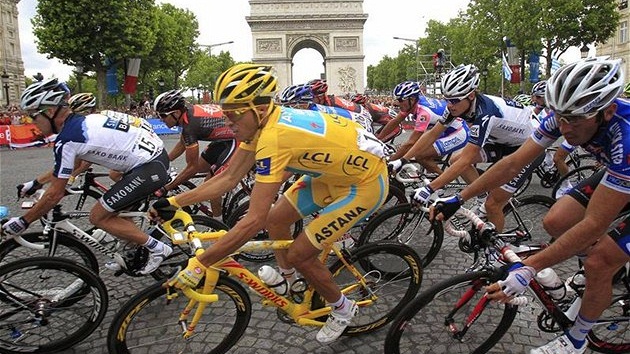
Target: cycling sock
[(154, 245), (288, 274), (342, 305), (577, 333)]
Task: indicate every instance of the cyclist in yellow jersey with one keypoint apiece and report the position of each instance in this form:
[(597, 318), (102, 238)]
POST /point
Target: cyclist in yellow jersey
[(344, 178)]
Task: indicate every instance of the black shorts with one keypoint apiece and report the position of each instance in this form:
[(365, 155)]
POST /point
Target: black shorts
[(583, 192), (495, 152), (137, 184), (218, 153)]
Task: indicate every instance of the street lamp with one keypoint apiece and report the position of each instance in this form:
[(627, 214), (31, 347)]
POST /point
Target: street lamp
[(5, 84), (484, 74), (417, 53), (210, 46), (79, 73), (584, 51)]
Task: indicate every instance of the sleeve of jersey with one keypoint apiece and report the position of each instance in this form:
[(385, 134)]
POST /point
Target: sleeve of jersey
[(64, 159), (480, 130), (617, 175), (423, 119), (547, 132), (271, 160)]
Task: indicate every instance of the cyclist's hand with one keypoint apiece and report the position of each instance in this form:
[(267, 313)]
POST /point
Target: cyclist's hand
[(161, 192), (396, 165), (190, 276), (28, 189), (423, 194), (514, 284), (15, 226), (444, 208), (163, 209)]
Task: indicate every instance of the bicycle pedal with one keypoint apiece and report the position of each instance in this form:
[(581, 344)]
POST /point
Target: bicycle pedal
[(283, 316)]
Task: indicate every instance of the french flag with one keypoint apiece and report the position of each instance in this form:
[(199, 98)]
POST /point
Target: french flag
[(131, 78)]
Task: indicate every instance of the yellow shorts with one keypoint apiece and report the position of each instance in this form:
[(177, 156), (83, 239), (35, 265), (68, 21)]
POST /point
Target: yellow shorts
[(340, 207)]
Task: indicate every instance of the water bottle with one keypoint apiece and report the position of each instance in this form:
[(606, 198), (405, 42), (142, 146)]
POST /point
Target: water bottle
[(551, 283), (4, 212), (273, 279), (577, 282)]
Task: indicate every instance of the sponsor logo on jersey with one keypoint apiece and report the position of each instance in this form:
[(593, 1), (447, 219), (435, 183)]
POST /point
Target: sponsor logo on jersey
[(315, 159), (616, 181), (263, 166), (474, 131), (66, 171), (342, 122), (355, 165)]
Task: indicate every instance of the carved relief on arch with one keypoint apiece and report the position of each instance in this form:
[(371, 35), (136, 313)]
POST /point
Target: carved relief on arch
[(269, 45), (347, 44), (293, 38), (347, 79)]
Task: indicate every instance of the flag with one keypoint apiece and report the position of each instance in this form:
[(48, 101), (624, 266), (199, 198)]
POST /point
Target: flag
[(131, 78), (110, 77), (507, 72), (555, 65), (534, 67)]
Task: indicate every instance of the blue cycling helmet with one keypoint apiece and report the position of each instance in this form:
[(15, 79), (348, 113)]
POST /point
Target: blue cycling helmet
[(296, 94), (539, 88), (407, 89)]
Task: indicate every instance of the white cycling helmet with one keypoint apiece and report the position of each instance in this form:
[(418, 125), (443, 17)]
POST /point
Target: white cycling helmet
[(460, 81), (585, 86), (82, 102), (41, 94)]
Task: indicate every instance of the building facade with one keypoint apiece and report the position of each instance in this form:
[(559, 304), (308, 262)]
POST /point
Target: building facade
[(618, 46), (11, 64)]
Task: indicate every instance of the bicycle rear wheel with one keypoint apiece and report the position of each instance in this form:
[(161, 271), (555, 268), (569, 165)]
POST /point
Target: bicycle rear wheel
[(435, 321), (149, 322), (48, 305), (393, 275), (526, 214), (407, 224), (574, 177), (611, 333)]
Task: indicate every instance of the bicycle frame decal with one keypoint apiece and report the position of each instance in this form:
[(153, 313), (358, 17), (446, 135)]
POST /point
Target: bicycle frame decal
[(249, 279)]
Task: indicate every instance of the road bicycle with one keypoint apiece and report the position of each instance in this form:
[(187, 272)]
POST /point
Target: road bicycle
[(48, 305), (63, 238), (380, 277), (455, 315), (409, 223)]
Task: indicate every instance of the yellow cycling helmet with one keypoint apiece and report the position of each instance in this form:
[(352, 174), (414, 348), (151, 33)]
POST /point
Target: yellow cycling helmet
[(246, 83)]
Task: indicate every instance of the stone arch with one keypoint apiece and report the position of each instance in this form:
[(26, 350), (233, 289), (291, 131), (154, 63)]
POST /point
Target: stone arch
[(334, 28)]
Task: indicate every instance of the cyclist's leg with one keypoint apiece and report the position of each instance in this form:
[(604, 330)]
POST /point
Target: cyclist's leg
[(213, 159)]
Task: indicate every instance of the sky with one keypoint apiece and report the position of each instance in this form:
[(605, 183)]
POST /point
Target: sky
[(221, 21)]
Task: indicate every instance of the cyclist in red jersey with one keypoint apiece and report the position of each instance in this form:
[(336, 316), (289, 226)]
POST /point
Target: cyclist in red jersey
[(380, 115), (319, 88), (198, 123)]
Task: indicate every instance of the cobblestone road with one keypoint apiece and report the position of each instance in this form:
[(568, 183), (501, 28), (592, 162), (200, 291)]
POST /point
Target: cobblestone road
[(265, 334)]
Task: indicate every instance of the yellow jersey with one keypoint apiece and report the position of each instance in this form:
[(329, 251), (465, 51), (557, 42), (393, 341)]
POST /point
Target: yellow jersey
[(325, 146)]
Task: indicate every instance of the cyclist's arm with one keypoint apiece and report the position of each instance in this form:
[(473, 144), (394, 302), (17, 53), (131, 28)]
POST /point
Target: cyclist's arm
[(192, 165), (240, 164), (468, 156), (263, 196), (51, 197), (402, 150), (177, 150), (426, 140), (504, 170), (45, 177), (392, 124)]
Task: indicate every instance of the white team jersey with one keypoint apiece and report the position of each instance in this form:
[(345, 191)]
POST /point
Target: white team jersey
[(110, 139), (500, 121)]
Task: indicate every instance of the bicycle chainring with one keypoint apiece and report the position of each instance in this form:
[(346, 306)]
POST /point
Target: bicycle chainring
[(547, 323)]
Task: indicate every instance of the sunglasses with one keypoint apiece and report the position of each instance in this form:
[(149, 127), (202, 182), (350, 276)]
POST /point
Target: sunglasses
[(455, 100), (235, 115), (165, 114), (574, 119), (35, 114)]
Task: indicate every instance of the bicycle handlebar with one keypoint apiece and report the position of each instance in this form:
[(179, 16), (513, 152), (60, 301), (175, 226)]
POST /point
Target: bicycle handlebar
[(410, 170)]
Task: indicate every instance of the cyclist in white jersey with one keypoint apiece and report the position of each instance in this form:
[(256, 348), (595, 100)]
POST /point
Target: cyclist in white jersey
[(432, 137), (113, 140), (498, 128)]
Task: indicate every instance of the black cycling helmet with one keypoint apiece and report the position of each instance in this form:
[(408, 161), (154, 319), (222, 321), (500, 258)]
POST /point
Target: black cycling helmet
[(169, 101)]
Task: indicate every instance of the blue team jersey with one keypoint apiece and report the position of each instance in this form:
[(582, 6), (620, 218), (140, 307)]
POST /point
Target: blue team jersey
[(610, 145), (434, 105)]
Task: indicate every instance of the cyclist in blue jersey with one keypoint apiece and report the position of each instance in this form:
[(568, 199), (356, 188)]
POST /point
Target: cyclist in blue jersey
[(588, 113), (432, 136), (113, 140), (497, 128)]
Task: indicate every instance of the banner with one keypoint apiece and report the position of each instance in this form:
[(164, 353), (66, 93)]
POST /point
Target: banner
[(131, 77), (534, 67), (161, 129), (507, 72), (5, 135), (23, 135), (516, 74), (555, 65), (111, 78)]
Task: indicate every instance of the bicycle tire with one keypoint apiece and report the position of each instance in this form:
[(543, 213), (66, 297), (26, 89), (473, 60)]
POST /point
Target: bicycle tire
[(394, 274), (180, 255), (404, 223), (148, 322), (262, 255), (424, 322), (611, 332), (528, 216), (33, 284), (66, 247), (574, 176)]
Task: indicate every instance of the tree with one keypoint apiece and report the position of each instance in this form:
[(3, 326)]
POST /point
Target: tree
[(89, 32), (207, 68)]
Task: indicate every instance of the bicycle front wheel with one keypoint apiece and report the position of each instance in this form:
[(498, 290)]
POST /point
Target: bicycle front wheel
[(406, 224), (447, 318), (611, 332), (392, 274), (48, 305), (149, 322), (525, 214)]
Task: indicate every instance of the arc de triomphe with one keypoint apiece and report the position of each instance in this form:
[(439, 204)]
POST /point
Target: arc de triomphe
[(334, 28)]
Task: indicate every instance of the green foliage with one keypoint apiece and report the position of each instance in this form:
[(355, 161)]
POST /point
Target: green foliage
[(207, 68)]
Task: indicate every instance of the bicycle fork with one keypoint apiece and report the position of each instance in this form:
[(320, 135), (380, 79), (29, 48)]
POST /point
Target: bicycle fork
[(449, 322)]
